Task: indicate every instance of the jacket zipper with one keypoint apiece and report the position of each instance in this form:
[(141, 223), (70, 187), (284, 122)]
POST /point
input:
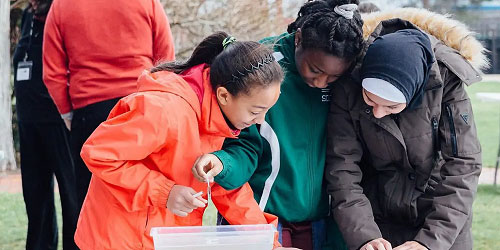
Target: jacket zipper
[(453, 134), (435, 152), (435, 127)]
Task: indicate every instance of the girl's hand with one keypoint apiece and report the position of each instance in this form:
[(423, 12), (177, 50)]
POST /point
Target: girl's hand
[(206, 167), (377, 244), (287, 248), (181, 201), (411, 245)]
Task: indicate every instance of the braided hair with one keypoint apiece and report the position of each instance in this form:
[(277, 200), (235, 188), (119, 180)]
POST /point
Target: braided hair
[(328, 31)]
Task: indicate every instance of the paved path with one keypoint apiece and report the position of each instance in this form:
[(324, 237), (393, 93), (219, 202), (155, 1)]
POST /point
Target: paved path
[(491, 78), (10, 182)]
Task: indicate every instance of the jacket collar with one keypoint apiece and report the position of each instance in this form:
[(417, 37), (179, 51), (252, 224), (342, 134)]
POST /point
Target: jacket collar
[(195, 88), (386, 122), (389, 125), (212, 120), (285, 44)]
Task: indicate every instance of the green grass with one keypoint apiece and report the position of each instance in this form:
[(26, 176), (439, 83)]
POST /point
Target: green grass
[(486, 217), (14, 222), (485, 228), (486, 115)]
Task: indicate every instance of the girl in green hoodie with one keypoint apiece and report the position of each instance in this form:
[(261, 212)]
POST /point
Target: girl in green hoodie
[(283, 158)]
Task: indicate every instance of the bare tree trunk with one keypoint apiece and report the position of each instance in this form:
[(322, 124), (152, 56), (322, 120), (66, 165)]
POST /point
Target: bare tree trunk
[(7, 159)]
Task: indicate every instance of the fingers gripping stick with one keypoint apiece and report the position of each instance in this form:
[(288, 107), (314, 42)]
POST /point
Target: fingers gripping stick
[(197, 194)]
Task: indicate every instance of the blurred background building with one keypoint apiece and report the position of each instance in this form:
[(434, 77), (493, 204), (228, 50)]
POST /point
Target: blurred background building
[(482, 16)]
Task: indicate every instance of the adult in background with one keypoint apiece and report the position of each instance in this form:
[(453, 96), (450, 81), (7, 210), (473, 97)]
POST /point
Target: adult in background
[(44, 140), (93, 53)]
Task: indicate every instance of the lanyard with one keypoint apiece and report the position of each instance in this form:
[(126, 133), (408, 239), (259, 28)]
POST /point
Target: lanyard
[(29, 41)]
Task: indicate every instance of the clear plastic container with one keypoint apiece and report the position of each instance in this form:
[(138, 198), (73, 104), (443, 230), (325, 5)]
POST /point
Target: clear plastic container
[(233, 237)]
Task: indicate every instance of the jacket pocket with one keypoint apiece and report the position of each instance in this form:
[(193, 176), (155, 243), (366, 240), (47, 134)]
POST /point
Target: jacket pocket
[(460, 130), (453, 134)]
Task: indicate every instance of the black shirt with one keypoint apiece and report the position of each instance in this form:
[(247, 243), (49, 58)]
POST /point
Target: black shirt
[(33, 102)]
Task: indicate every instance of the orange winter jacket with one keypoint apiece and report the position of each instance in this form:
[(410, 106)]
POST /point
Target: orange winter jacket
[(148, 144)]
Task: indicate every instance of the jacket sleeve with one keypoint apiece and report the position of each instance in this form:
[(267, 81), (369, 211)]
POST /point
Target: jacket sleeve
[(116, 152), (239, 207), (163, 43), (350, 207), (240, 158), (55, 62), (461, 151)]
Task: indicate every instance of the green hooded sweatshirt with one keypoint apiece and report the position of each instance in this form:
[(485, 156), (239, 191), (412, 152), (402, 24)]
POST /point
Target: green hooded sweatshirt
[(283, 159)]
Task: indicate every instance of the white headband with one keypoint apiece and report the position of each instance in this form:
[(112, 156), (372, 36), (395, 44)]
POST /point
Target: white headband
[(346, 10), (384, 90)]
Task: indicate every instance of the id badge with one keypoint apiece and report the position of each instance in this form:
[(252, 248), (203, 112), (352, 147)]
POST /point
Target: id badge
[(24, 70)]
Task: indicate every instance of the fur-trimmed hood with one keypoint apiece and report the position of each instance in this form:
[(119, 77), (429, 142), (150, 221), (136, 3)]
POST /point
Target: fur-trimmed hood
[(451, 32)]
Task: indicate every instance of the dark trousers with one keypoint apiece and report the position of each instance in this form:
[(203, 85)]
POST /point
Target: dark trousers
[(299, 235), (44, 152), (85, 121), (303, 235)]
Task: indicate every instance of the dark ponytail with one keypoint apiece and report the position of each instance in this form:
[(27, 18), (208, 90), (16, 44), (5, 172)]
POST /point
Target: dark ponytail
[(238, 67), (205, 52), (322, 28)]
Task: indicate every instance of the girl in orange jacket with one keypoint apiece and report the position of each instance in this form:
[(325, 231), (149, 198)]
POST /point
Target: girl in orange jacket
[(141, 156)]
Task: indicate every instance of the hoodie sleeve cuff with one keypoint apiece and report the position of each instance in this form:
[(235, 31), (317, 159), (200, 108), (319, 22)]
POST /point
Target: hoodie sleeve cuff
[(225, 169), (163, 193), (226, 177)]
